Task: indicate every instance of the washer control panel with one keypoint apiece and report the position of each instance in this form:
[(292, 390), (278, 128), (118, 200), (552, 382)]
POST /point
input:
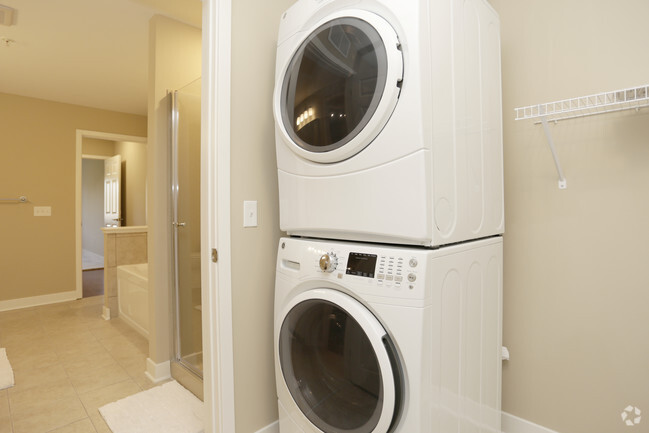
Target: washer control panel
[(395, 270), (328, 262), (361, 264), (379, 268)]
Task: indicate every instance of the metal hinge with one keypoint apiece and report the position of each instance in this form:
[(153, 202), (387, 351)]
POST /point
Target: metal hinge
[(215, 255)]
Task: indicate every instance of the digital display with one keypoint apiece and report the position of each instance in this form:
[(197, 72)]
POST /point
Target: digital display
[(362, 265)]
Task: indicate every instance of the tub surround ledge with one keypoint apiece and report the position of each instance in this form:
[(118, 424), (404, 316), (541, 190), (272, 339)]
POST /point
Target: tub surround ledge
[(127, 229), (122, 246)]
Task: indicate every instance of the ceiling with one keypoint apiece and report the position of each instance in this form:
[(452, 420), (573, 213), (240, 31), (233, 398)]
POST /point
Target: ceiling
[(86, 52)]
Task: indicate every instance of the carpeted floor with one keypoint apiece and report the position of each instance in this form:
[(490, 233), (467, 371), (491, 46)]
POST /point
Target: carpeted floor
[(93, 283), (90, 260)]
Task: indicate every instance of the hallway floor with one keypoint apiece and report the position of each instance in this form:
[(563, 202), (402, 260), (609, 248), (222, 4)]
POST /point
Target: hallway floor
[(92, 283), (67, 363)]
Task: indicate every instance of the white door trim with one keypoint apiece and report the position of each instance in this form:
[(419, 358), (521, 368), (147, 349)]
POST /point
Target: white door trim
[(218, 370), (81, 134), (97, 157)]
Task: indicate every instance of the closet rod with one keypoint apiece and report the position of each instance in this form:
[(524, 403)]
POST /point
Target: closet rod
[(21, 199)]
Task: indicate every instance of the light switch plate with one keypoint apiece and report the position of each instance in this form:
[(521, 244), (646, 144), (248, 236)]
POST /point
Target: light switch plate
[(250, 213), (42, 210)]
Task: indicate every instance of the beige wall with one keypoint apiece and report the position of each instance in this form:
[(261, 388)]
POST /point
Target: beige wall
[(134, 163), (254, 177), (174, 61), (37, 254), (576, 281), (97, 147)]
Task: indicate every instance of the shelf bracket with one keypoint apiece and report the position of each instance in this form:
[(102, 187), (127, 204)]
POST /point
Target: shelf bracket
[(607, 102), (546, 129)]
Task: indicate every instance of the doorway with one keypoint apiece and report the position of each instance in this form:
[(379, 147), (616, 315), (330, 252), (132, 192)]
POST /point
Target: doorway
[(92, 199), (99, 146)]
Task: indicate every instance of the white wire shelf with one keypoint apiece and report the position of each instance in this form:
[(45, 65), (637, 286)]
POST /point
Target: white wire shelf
[(607, 102)]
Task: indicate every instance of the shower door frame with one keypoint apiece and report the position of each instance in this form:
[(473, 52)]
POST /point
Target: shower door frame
[(175, 224)]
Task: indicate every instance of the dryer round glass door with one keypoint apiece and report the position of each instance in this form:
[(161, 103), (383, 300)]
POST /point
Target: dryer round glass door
[(340, 87), (339, 364)]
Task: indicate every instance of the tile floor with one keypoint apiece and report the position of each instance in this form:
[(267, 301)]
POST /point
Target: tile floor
[(67, 363)]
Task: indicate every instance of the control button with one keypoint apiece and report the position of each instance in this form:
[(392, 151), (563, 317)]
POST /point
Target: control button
[(328, 262), (413, 263), (380, 276), (398, 278), (388, 277), (412, 277)]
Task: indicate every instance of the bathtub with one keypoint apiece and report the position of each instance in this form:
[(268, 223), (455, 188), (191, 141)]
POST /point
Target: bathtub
[(133, 296)]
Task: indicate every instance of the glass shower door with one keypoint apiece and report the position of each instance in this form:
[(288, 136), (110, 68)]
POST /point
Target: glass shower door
[(186, 182)]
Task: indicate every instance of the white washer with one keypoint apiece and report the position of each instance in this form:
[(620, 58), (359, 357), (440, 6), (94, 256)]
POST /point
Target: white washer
[(388, 121), (371, 338)]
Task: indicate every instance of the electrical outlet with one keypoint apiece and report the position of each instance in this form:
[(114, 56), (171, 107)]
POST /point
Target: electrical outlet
[(42, 210)]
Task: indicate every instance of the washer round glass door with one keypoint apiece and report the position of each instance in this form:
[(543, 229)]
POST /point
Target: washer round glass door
[(340, 87), (338, 364)]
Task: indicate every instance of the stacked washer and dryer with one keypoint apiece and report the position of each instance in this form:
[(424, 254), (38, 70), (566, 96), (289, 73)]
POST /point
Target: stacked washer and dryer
[(388, 302)]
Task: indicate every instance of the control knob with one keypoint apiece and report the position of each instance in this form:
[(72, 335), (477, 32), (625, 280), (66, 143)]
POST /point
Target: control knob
[(328, 262)]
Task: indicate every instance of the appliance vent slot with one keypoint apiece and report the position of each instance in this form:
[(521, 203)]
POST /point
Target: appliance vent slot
[(290, 264)]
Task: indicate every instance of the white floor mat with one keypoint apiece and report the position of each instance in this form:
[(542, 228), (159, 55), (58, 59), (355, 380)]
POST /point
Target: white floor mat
[(169, 408), (6, 373)]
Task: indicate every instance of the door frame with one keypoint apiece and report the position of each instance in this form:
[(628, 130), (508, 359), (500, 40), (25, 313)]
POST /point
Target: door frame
[(80, 135), (216, 279)]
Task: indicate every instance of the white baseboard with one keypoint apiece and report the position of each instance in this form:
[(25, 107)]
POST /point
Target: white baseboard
[(157, 372), (514, 424), (34, 301), (270, 428)]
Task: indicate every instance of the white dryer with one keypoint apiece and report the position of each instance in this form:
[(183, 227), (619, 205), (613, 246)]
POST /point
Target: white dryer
[(388, 120), (380, 339)]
